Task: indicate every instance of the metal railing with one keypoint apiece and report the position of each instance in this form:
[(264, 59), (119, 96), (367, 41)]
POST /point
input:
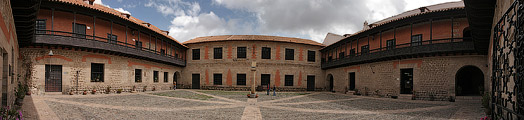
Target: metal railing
[(97, 39)]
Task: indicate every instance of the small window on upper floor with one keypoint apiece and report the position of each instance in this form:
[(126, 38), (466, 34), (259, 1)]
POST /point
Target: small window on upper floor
[(365, 49), (310, 56), (196, 54), (390, 44), (138, 45), (79, 30), (112, 38), (266, 53), (162, 51), (416, 40), (217, 54), (352, 52), (241, 52), (290, 54), (41, 26)]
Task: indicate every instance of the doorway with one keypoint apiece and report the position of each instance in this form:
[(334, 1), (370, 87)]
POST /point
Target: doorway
[(310, 83), (352, 81), (53, 78), (469, 81), (331, 82), (176, 76), (195, 81), (406, 81)]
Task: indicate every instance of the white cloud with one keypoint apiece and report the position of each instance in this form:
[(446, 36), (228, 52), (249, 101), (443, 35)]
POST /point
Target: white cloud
[(122, 10), (311, 19)]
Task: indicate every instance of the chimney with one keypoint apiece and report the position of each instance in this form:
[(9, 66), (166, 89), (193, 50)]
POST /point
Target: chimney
[(148, 24), (127, 15), (91, 2), (166, 32), (366, 26), (423, 9)]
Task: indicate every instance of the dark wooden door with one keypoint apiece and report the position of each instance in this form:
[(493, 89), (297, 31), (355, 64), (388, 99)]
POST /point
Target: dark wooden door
[(352, 81), (53, 78), (196, 81), (310, 83), (406, 81)]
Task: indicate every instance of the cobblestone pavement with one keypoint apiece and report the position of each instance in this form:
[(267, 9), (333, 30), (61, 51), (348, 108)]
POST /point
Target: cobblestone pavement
[(200, 104)]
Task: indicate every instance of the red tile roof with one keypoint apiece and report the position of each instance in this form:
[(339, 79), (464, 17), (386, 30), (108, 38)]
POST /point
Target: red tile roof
[(108, 10), (252, 38)]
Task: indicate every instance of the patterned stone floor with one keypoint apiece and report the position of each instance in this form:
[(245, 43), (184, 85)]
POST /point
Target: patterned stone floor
[(200, 104)]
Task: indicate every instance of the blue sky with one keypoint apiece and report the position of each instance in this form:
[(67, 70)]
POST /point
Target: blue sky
[(309, 19)]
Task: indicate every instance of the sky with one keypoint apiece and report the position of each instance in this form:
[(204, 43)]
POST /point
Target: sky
[(308, 19)]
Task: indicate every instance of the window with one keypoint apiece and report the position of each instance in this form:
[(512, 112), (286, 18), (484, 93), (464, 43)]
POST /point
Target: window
[(365, 49), (196, 54), (241, 79), (162, 52), (330, 58), (79, 30), (416, 40), (217, 79), (288, 80), (352, 52), (290, 54), (166, 77), (241, 52), (112, 38), (138, 75), (40, 25), (310, 56), (341, 55), (266, 53), (390, 44), (138, 44), (265, 79), (97, 72), (155, 76), (217, 53)]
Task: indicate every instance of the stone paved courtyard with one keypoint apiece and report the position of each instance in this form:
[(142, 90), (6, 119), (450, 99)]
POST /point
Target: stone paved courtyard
[(201, 104)]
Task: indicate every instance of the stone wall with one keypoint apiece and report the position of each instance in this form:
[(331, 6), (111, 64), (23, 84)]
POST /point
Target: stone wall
[(432, 76), (119, 72), (9, 53)]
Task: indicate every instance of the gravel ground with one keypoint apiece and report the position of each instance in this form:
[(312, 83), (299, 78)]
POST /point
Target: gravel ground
[(317, 97), (186, 94), (68, 112), (138, 101), (241, 95)]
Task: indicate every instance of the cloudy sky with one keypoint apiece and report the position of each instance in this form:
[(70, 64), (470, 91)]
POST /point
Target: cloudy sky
[(309, 19)]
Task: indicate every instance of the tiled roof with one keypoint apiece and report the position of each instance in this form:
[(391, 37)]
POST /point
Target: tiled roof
[(415, 12), (108, 10), (252, 38)]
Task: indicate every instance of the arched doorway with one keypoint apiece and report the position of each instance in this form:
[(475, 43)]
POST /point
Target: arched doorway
[(466, 34), (469, 81), (176, 77), (331, 82)]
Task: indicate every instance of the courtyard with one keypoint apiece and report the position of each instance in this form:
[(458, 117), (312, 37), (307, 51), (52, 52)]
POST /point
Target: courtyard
[(204, 104)]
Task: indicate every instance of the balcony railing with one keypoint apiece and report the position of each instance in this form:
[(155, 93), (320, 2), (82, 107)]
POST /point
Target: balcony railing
[(401, 51), (102, 43)]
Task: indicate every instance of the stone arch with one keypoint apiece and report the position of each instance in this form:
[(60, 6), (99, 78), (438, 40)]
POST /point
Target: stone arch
[(469, 80), (176, 78)]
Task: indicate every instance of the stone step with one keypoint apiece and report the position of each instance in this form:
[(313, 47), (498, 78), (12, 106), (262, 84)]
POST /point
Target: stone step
[(468, 98), (405, 96)]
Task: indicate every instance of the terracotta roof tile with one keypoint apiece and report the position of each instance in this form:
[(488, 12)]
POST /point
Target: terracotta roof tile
[(108, 10), (252, 38)]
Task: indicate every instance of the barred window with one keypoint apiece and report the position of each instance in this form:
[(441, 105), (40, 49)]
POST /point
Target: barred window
[(352, 52), (166, 77), (241, 79), (162, 52), (217, 53), (310, 56), (265, 79), (196, 54), (155, 76), (241, 52), (266, 53), (290, 54), (217, 79), (288, 80), (112, 38), (138, 75), (97, 72), (41, 25)]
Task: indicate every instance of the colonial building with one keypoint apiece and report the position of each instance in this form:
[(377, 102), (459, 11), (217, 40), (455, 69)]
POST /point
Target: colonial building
[(427, 53)]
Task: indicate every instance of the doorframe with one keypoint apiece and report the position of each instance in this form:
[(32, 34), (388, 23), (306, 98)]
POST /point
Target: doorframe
[(61, 77), (412, 80)]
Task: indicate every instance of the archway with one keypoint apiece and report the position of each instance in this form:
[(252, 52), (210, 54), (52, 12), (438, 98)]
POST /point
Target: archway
[(176, 77), (331, 82), (469, 81), (466, 34)]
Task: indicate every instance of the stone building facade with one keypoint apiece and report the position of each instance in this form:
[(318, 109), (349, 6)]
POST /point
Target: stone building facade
[(10, 55)]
